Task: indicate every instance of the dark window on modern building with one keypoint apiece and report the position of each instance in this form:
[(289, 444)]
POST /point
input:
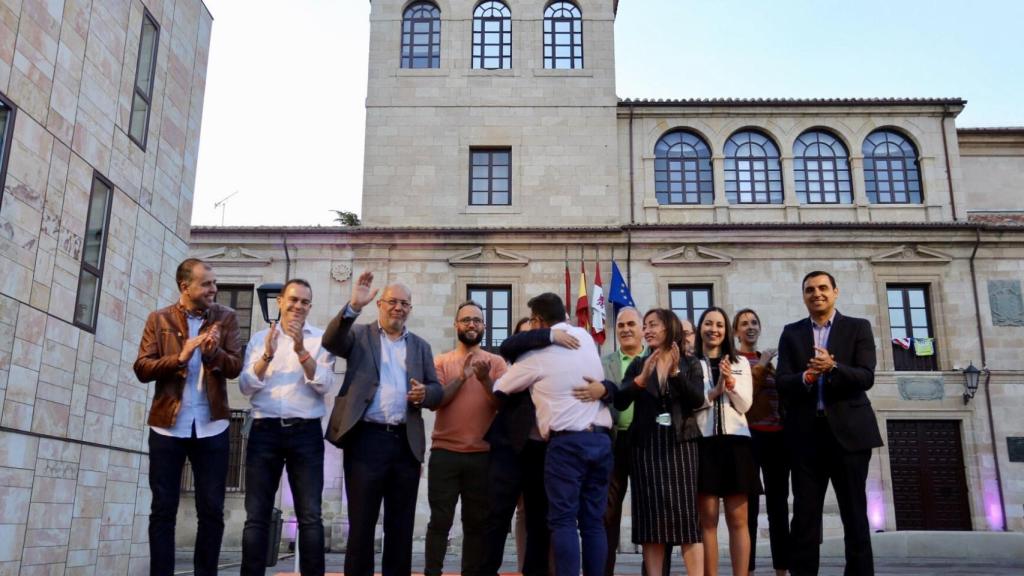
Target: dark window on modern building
[(94, 247), (821, 169), (7, 112), (753, 174), (689, 301), (563, 36), (236, 457), (239, 298), (910, 325), (496, 302), (490, 176), (145, 71), (492, 36), (682, 169), (421, 36), (891, 171)]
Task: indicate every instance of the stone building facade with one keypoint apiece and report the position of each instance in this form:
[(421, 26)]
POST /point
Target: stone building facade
[(100, 109), (587, 177)]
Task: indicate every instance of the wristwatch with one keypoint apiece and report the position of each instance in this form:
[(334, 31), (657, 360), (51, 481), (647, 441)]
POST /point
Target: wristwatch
[(267, 357)]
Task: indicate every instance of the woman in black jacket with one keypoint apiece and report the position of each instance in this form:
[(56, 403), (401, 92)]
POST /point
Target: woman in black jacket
[(665, 386)]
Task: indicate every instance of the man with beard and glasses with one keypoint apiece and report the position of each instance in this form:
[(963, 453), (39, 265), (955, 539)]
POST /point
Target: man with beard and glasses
[(459, 454)]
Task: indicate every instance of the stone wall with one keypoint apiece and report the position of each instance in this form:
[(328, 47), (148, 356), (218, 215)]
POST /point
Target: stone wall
[(72, 436)]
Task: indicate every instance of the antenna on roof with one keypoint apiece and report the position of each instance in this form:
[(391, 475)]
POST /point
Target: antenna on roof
[(222, 204)]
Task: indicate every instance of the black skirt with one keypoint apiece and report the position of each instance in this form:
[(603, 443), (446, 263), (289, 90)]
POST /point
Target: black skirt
[(663, 475), (727, 466)]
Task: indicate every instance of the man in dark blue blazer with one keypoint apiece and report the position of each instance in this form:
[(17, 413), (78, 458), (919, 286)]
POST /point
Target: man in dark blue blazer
[(826, 365), (376, 420)]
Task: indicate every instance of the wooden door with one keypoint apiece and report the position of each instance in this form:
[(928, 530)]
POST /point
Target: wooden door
[(929, 486)]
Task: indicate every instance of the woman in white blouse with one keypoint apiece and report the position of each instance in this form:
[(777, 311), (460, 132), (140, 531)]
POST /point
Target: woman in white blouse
[(726, 470)]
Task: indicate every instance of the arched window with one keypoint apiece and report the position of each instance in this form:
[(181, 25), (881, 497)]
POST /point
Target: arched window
[(563, 36), (891, 174), (752, 171), (492, 36), (421, 36), (682, 169), (821, 169)]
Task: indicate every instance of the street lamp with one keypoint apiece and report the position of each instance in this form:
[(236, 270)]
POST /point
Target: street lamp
[(971, 377), (268, 293)]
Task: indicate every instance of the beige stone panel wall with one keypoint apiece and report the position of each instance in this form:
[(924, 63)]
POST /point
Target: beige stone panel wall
[(993, 182), (417, 166), (923, 125), (69, 69)]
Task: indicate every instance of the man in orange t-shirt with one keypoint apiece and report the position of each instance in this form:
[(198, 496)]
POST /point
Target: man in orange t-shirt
[(459, 454)]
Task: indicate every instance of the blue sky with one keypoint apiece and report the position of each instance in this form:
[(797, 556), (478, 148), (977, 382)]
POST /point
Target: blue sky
[(283, 115)]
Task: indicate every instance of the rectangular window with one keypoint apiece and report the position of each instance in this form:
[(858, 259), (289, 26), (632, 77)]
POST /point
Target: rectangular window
[(145, 71), (237, 441), (7, 110), (496, 302), (239, 298), (490, 176), (910, 325), (689, 301), (94, 246)]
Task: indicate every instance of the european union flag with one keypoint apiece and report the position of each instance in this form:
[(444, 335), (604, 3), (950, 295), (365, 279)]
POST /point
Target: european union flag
[(619, 294)]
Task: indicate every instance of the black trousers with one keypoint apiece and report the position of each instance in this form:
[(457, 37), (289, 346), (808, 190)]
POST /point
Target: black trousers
[(451, 475), (509, 475), (772, 460), (209, 458), (380, 468), (814, 466)]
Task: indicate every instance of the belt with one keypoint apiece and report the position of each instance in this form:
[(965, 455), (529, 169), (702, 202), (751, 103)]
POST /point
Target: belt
[(285, 422), (392, 428), (588, 429)]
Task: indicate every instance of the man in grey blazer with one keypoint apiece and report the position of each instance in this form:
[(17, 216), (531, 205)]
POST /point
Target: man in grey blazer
[(376, 421)]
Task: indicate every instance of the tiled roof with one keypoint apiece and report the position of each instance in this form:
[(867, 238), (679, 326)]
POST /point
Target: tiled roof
[(991, 130), (792, 101)]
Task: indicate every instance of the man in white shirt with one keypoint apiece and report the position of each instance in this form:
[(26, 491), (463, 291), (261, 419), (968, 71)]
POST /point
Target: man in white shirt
[(579, 454), (286, 375)]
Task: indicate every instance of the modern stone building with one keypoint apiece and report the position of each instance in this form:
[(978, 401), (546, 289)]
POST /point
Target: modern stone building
[(497, 150), (100, 109)]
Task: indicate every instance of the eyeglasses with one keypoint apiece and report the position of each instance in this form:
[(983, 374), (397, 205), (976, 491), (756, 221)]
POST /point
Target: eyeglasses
[(470, 321), (395, 303)]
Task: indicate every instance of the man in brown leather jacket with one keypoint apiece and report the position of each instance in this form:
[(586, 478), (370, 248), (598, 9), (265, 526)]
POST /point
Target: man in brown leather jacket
[(190, 349)]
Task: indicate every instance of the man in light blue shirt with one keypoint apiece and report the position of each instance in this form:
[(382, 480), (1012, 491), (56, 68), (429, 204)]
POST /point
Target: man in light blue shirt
[(286, 375)]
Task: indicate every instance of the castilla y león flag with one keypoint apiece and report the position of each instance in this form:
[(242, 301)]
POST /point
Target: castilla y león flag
[(597, 308)]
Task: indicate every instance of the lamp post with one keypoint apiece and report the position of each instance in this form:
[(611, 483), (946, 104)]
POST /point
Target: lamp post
[(268, 293), (971, 377)]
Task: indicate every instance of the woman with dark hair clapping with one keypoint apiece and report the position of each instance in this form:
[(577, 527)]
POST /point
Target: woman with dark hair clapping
[(727, 469), (664, 386)]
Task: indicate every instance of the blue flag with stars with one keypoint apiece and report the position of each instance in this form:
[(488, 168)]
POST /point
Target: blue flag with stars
[(619, 294)]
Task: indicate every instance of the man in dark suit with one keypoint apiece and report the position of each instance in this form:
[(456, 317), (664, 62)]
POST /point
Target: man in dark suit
[(376, 420), (826, 366)]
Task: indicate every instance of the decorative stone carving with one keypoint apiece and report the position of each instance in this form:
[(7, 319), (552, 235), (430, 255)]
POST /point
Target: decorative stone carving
[(488, 256), (911, 255), (1005, 302), (689, 255), (234, 256), (921, 387), (340, 272)]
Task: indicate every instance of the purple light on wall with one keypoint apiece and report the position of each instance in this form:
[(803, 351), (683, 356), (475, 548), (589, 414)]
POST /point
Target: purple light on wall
[(876, 507), (993, 511)]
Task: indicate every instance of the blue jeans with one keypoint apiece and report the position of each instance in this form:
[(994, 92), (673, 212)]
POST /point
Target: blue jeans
[(576, 473), (299, 448), (209, 458)]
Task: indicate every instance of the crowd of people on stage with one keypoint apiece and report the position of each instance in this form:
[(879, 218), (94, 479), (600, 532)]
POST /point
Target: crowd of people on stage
[(693, 417)]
